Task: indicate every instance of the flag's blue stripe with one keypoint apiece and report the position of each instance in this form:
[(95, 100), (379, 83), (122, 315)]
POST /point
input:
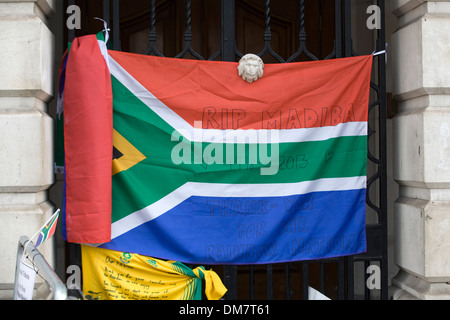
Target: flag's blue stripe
[(211, 230), (39, 240)]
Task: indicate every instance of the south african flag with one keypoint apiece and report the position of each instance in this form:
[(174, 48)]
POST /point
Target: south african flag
[(183, 160)]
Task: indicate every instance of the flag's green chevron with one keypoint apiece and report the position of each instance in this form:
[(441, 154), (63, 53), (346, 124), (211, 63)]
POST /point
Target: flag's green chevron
[(157, 176)]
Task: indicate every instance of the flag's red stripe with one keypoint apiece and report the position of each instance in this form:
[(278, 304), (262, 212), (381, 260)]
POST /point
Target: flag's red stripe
[(309, 94), (88, 143), (51, 231)]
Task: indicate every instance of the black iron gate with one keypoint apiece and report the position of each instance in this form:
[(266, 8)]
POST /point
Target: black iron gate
[(361, 276)]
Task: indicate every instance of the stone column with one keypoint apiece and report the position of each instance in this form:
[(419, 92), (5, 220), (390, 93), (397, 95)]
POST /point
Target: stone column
[(421, 80), (26, 129)]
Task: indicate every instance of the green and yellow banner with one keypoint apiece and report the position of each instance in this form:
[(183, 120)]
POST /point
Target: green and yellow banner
[(114, 275)]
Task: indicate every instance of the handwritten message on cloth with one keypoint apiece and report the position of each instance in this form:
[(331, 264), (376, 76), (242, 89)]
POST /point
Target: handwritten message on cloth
[(113, 275), (206, 168)]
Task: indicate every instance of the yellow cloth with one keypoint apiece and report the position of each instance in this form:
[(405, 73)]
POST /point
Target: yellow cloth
[(114, 275)]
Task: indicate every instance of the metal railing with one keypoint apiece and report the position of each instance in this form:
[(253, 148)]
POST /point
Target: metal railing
[(58, 290)]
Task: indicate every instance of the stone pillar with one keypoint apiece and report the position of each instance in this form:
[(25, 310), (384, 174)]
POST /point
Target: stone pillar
[(421, 81), (26, 129)]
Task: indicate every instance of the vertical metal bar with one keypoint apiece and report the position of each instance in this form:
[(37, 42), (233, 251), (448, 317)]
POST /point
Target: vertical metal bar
[(269, 282), (107, 16), (251, 271), (341, 279), (338, 27), (323, 277), (267, 33), (187, 32), (305, 282), (152, 33), (228, 31), (187, 29), (230, 282), (71, 32), (152, 21), (347, 28), (384, 295), (383, 157), (287, 280), (302, 33), (350, 264), (302, 37), (106, 11), (116, 25), (188, 35), (366, 276), (74, 254)]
